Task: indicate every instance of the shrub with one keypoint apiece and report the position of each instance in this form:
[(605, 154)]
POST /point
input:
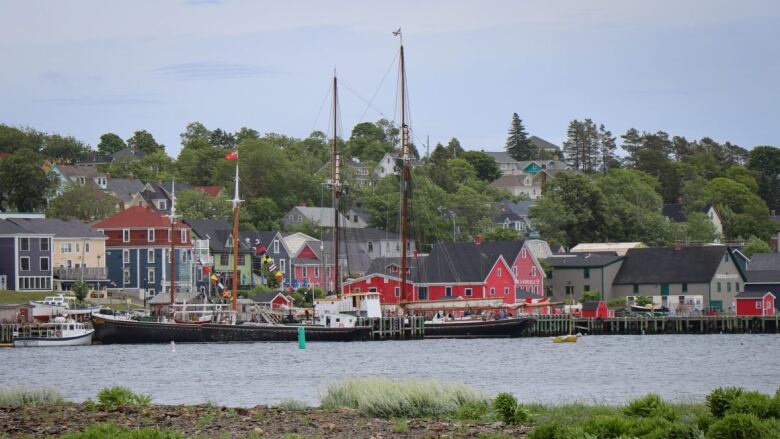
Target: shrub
[(719, 400), (555, 430), (704, 421), (21, 397), (292, 405), (684, 431), (742, 426), (472, 411), (755, 403), (608, 426), (510, 412), (650, 406), (116, 397), (113, 431), (385, 398)]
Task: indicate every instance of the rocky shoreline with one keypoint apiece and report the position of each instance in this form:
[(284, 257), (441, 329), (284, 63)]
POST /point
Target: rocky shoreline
[(209, 421)]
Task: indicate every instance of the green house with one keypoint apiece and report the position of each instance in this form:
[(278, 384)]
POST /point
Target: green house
[(217, 237)]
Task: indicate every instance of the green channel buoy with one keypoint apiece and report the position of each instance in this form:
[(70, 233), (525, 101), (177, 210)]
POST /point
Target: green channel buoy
[(301, 337)]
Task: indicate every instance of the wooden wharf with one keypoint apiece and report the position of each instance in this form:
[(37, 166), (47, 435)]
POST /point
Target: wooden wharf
[(394, 328), (555, 325)]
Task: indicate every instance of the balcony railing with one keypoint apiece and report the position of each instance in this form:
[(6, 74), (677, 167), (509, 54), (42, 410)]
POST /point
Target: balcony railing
[(75, 273)]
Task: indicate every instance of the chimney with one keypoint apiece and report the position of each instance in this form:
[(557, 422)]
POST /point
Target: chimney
[(478, 239), (131, 177), (678, 245)]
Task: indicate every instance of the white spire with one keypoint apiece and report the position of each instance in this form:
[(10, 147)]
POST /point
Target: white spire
[(173, 202), (236, 200)]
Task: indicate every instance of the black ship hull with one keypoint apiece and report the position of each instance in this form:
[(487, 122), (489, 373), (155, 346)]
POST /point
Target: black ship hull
[(507, 328), (109, 330)]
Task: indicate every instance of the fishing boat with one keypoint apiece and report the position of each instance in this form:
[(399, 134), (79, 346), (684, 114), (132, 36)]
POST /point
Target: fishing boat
[(60, 332), (444, 328), (60, 305)]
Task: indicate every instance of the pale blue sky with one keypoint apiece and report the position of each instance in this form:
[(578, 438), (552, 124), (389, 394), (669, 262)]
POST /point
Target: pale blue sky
[(692, 68)]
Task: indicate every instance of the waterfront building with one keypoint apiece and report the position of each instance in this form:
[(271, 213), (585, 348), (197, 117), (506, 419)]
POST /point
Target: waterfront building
[(273, 300), (138, 252), (682, 279), (78, 252), (620, 248), (25, 258), (216, 236), (758, 303), (675, 212), (595, 309), (576, 273)]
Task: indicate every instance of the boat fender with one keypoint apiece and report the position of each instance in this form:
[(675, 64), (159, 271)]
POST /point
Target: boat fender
[(58, 333)]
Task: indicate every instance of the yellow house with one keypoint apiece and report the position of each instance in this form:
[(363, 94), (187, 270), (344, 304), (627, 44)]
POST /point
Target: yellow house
[(78, 252)]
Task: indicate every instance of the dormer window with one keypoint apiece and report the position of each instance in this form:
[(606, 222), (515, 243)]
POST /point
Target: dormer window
[(125, 235), (162, 205), (82, 180), (276, 246), (183, 235)]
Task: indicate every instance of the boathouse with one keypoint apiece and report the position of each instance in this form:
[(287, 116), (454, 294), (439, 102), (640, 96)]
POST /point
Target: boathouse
[(755, 303), (273, 300), (595, 309)]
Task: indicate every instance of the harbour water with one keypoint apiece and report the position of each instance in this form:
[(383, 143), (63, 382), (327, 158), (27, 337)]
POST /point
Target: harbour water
[(606, 369)]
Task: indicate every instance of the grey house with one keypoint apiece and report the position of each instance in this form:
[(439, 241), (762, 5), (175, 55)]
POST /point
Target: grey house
[(574, 274), (25, 258), (682, 279)]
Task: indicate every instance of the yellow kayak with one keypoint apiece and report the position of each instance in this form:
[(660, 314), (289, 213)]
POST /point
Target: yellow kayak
[(565, 339)]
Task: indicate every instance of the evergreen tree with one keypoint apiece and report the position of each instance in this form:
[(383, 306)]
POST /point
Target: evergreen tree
[(607, 149), (517, 144), (454, 150), (632, 142), (574, 145)]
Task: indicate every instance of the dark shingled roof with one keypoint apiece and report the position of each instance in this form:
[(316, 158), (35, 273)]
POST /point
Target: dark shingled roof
[(59, 228), (590, 305), (217, 232), (466, 261), (362, 234), (582, 260), (767, 276), (674, 212), (668, 265), (8, 227), (265, 297), (764, 261), (755, 293)]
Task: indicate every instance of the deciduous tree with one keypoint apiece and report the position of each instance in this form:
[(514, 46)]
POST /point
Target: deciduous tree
[(485, 165), (110, 143), (144, 141), (24, 184), (82, 202)]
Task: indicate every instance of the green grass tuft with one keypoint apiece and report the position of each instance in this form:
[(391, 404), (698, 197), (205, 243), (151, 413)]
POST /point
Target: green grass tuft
[(102, 431), (384, 398), (113, 398), (292, 405), (21, 397)]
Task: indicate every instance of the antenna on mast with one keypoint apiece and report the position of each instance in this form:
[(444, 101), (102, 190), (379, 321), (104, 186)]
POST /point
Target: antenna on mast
[(236, 202), (173, 240)]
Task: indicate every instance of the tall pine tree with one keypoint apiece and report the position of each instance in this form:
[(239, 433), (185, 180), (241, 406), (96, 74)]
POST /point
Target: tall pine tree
[(517, 144), (607, 148), (575, 144)]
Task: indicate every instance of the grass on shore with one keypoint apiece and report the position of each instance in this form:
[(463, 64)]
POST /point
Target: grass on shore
[(20, 397), (15, 297), (384, 398)]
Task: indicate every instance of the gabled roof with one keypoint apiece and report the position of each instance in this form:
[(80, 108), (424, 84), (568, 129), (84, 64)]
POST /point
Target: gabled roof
[(453, 262), (583, 260), (590, 305), (8, 227), (512, 180), (79, 171), (212, 191), (59, 228), (500, 156), (765, 276), (764, 261), (520, 208), (125, 188), (135, 217), (267, 297), (676, 211), (670, 265), (543, 144), (322, 216), (128, 153), (753, 294), (218, 232)]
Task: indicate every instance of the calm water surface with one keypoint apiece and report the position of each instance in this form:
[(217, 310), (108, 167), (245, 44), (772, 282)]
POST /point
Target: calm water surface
[(609, 369)]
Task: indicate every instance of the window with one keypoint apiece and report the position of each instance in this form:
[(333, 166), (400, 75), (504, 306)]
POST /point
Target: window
[(719, 287), (586, 273), (150, 256), (468, 292), (170, 235), (422, 293), (736, 287), (24, 244), (514, 269), (224, 259), (65, 247), (317, 271), (162, 205), (586, 287), (44, 263), (759, 305), (684, 287), (499, 272), (506, 291), (125, 256), (126, 276), (728, 287), (44, 244), (86, 247), (291, 217), (448, 291), (636, 288), (397, 291), (150, 235), (240, 259), (727, 256), (150, 276), (305, 271), (370, 246), (24, 263), (125, 235), (300, 218), (276, 246), (282, 266), (523, 253), (533, 271), (101, 231), (183, 235)]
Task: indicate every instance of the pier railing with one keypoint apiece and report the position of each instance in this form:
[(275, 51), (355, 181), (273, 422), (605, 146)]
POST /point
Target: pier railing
[(553, 325)]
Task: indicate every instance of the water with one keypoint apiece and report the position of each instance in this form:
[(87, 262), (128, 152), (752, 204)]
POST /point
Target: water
[(606, 369)]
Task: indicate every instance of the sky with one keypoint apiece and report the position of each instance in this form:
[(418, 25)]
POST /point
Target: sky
[(690, 68)]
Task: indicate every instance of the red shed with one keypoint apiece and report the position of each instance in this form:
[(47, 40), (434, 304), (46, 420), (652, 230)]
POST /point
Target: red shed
[(755, 303), (273, 300), (595, 309)]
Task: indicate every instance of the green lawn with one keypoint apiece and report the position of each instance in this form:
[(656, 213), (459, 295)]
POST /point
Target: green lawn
[(15, 297)]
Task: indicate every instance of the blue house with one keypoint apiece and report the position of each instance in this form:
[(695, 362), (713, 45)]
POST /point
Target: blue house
[(25, 259)]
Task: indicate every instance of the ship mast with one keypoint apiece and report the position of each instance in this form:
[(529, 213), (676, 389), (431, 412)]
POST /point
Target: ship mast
[(173, 240), (336, 187), (405, 178), (236, 202)]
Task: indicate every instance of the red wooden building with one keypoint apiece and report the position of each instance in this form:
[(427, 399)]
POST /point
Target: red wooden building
[(595, 309), (273, 300), (755, 303)]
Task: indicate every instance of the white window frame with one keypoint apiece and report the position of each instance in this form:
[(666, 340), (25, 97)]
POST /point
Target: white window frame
[(126, 276), (276, 246), (500, 272), (150, 256), (162, 204), (125, 235), (22, 241), (468, 292), (40, 263), (533, 271), (126, 256), (282, 266), (40, 244), (150, 273), (317, 271), (397, 291), (305, 271), (183, 234), (87, 247), (21, 259), (448, 289), (149, 235), (514, 269), (66, 247), (78, 247)]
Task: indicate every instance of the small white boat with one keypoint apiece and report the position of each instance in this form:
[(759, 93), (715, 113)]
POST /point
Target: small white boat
[(61, 332), (51, 306)]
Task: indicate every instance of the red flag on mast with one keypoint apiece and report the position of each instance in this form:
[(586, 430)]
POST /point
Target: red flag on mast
[(232, 155)]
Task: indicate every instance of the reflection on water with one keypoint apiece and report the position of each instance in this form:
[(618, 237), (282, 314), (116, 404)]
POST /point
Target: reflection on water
[(609, 369)]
